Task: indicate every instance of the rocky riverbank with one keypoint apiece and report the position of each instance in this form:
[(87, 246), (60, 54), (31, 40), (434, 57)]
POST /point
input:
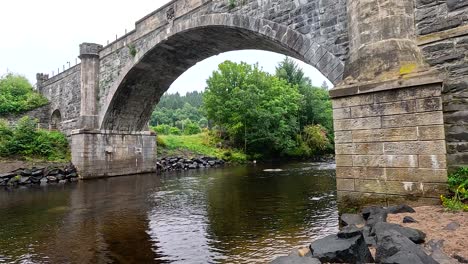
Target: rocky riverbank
[(181, 163), (39, 176), (368, 238)]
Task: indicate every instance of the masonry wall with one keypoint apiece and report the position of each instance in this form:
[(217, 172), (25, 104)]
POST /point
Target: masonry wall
[(63, 93), (42, 114), (390, 144), (100, 154), (442, 29)]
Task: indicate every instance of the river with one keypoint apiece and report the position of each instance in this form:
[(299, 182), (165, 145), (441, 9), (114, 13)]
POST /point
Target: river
[(238, 214)]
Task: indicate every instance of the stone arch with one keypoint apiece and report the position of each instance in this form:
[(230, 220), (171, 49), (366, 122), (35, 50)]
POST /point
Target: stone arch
[(55, 120), (165, 56)]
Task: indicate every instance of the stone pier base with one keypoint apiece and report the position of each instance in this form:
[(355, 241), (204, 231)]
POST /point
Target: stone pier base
[(390, 143), (99, 153)]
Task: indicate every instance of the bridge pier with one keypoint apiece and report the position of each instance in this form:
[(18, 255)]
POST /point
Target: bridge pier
[(388, 118), (97, 153)]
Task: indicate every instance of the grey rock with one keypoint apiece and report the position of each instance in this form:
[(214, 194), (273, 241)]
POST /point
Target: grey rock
[(8, 175), (393, 247), (349, 231), (460, 258), (436, 252), (62, 181), (452, 226), (295, 259), (416, 236), (340, 250), (374, 215), (51, 178), (352, 219), (398, 209)]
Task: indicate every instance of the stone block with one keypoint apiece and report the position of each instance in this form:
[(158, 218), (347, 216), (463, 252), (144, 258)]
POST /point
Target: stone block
[(433, 90), (344, 160), (402, 107), (343, 136), (357, 123), (431, 132), (353, 101), (386, 161), (433, 161), (417, 147), (359, 148), (388, 135), (361, 173), (341, 113), (429, 104), (370, 186), (417, 175), (409, 120), (345, 184)]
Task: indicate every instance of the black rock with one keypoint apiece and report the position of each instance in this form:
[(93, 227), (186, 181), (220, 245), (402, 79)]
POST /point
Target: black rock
[(37, 172), (62, 181), (434, 247), (341, 250), (349, 232), (51, 178), (8, 175), (393, 247), (26, 172), (398, 209), (370, 239), (415, 235), (43, 181), (452, 226), (409, 219), (35, 179), (24, 180), (14, 180), (374, 214), (460, 259), (352, 219)]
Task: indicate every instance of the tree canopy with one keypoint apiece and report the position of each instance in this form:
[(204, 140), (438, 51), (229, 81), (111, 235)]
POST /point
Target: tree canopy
[(17, 95)]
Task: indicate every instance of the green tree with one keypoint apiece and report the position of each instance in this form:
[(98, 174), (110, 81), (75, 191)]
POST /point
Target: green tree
[(315, 107), (257, 110), (17, 95)]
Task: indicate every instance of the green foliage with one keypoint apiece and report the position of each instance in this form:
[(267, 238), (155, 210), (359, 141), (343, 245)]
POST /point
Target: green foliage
[(191, 128), (174, 131), (232, 4), (315, 137), (458, 185), (199, 144), (132, 49), (17, 95), (160, 142), (258, 111), (173, 109), (25, 140), (162, 129)]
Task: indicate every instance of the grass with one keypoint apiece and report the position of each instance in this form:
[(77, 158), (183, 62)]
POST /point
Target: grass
[(196, 145)]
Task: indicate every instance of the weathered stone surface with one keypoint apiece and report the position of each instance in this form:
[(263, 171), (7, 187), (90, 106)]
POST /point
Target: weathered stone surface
[(393, 247), (398, 209), (352, 219), (409, 219), (416, 236), (341, 250)]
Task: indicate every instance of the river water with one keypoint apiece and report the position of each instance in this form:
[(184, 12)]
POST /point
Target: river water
[(241, 214)]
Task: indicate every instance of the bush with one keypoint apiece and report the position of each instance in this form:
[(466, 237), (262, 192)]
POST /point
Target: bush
[(160, 142), (191, 129), (458, 185), (17, 95), (315, 137), (162, 129), (26, 140), (175, 131)]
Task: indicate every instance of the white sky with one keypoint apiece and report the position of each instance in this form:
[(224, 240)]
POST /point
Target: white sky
[(43, 35)]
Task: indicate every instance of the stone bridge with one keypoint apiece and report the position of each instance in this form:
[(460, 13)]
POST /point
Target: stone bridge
[(400, 70)]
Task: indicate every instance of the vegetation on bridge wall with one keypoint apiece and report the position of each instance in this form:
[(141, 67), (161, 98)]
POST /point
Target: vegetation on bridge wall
[(17, 95)]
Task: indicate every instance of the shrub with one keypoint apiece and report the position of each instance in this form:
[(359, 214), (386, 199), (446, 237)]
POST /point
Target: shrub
[(17, 95), (458, 185), (191, 129), (160, 142), (315, 137), (26, 140), (162, 129), (174, 131)]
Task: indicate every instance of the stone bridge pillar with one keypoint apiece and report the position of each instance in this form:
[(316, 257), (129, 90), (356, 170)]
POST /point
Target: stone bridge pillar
[(99, 153), (389, 133), (89, 55)]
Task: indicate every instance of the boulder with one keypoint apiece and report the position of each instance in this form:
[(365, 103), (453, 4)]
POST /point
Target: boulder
[(295, 260), (415, 235), (409, 219), (37, 172), (341, 250), (393, 247), (26, 172), (398, 209), (349, 232), (8, 175), (352, 219), (14, 180), (374, 214), (51, 178), (24, 180), (370, 239), (434, 247), (62, 181)]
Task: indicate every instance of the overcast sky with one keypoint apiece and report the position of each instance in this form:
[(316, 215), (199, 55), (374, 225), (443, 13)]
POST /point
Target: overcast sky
[(41, 36)]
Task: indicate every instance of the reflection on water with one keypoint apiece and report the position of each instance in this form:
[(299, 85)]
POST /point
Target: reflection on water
[(245, 214)]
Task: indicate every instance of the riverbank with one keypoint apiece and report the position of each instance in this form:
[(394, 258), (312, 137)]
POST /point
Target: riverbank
[(397, 234), (39, 175)]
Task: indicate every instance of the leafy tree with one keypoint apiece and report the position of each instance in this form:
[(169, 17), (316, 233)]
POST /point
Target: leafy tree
[(315, 107), (17, 95), (257, 110)]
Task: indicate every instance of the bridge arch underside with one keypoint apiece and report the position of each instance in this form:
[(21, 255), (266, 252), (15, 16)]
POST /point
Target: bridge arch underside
[(140, 90)]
